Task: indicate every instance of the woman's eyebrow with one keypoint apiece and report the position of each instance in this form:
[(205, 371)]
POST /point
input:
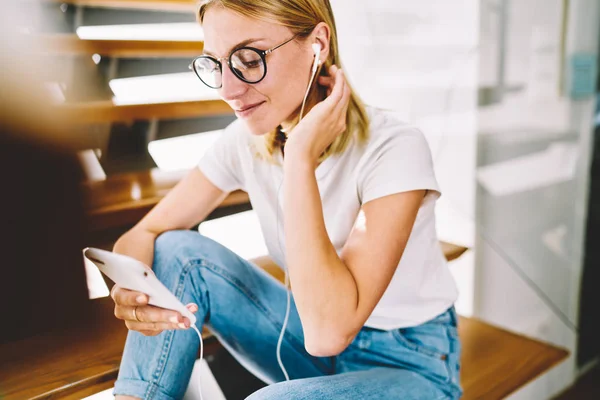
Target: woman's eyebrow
[(240, 44)]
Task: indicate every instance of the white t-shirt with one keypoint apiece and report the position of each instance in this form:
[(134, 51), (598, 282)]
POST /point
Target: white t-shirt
[(395, 159)]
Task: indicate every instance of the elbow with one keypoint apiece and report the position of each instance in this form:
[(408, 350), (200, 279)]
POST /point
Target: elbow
[(329, 344)]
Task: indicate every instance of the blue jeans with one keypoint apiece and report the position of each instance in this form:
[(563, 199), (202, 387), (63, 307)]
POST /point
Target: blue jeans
[(245, 307)]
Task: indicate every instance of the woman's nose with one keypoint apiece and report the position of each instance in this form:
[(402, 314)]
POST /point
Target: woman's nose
[(232, 87)]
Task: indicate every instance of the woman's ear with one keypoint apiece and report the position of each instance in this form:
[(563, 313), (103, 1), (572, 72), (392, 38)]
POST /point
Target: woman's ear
[(321, 35)]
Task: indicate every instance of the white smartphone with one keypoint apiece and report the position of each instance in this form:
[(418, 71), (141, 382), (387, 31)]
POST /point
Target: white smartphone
[(132, 274)]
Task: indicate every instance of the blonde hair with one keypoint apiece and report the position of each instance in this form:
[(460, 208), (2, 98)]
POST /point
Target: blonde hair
[(301, 17)]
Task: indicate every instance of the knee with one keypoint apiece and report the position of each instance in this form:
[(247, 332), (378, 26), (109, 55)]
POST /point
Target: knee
[(282, 390), (270, 392), (170, 244), (179, 247)]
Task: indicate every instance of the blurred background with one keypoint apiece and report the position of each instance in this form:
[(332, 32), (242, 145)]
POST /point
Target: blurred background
[(504, 90)]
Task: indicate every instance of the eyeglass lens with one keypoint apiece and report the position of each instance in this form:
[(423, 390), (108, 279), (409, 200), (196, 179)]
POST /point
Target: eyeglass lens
[(246, 64)]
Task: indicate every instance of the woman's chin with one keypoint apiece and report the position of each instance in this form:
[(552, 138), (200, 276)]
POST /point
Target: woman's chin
[(259, 128)]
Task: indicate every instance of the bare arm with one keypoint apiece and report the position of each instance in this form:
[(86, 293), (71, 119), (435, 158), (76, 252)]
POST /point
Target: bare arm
[(336, 294), (187, 204)]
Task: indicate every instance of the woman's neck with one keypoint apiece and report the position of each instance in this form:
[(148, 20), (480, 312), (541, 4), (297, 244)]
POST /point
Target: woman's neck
[(317, 94)]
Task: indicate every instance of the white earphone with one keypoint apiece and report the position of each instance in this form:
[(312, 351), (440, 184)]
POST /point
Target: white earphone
[(317, 50)]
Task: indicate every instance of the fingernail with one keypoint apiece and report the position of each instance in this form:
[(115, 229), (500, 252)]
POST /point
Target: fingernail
[(194, 308), (141, 298), (174, 319), (182, 325)]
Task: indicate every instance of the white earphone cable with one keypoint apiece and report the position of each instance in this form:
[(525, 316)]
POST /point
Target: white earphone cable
[(316, 49), (201, 355)]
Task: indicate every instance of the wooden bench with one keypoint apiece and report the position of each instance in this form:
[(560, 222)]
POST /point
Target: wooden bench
[(80, 362)]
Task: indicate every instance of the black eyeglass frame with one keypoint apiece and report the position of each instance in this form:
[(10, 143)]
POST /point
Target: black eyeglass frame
[(262, 53)]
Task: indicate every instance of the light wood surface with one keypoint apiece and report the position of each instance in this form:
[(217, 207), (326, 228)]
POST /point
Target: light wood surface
[(107, 111), (66, 44), (65, 365), (495, 362), (124, 199)]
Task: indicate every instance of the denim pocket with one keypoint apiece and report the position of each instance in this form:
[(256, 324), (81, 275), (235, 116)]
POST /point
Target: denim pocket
[(429, 339)]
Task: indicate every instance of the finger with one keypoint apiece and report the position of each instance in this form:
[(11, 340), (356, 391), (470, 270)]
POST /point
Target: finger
[(125, 297), (149, 314), (340, 111), (342, 106), (338, 90), (329, 80), (156, 314), (155, 327), (192, 307), (326, 81)]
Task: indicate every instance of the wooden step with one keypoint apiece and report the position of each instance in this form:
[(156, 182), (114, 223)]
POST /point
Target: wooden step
[(70, 364), (123, 199), (108, 111), (69, 44), (496, 362), (160, 5), (77, 363)]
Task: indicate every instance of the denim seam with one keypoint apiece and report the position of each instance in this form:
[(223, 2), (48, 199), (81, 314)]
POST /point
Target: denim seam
[(222, 272), (449, 357), (168, 341), (454, 378), (153, 384)]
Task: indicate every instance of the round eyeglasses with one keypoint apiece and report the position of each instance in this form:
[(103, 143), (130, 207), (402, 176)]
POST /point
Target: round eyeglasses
[(247, 63)]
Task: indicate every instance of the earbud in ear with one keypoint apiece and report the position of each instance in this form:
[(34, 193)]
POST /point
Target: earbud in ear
[(317, 50)]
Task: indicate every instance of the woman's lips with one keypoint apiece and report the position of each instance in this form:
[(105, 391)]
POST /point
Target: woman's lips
[(246, 112)]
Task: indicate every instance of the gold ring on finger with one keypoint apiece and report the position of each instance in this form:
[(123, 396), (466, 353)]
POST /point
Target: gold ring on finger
[(135, 314)]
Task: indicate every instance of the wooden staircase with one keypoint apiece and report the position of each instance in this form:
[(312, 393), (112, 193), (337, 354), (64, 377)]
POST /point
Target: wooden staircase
[(157, 5), (78, 363)]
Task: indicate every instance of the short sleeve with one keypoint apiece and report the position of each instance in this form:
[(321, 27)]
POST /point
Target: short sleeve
[(221, 163), (399, 160)]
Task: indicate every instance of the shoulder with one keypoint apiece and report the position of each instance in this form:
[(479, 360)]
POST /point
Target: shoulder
[(389, 133), (396, 159)]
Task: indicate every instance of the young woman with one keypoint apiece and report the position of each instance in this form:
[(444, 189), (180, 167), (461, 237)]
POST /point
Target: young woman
[(345, 196)]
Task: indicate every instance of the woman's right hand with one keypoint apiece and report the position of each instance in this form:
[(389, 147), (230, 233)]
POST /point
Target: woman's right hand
[(133, 308)]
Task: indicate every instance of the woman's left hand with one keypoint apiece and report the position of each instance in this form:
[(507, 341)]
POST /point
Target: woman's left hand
[(324, 122)]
